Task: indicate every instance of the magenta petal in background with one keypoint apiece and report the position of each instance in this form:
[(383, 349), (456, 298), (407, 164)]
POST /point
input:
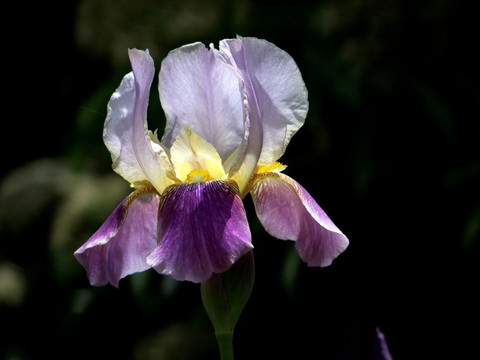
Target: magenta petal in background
[(202, 230), (121, 245), (380, 349), (288, 212)]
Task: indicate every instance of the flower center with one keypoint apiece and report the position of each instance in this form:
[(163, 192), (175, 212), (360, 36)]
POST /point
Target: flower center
[(194, 159), (198, 176)]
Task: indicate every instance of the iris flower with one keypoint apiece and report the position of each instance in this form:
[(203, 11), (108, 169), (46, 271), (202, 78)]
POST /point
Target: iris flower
[(230, 114)]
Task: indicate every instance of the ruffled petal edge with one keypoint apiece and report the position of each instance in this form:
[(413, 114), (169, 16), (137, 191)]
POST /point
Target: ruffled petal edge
[(287, 211), (121, 245)]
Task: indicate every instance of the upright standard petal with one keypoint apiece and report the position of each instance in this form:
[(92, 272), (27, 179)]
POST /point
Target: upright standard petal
[(121, 245), (275, 89), (202, 228), (134, 155), (198, 89), (288, 212), (246, 159)]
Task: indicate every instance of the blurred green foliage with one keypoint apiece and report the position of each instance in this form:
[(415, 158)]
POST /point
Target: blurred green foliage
[(390, 150)]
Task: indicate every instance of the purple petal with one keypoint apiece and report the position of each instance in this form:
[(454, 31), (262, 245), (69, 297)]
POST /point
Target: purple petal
[(288, 212), (381, 351), (125, 127), (198, 89), (121, 245), (275, 91), (203, 229)]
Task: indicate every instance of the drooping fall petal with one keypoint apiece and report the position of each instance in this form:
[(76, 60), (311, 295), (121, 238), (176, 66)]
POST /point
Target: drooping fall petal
[(121, 245), (202, 230), (288, 212)]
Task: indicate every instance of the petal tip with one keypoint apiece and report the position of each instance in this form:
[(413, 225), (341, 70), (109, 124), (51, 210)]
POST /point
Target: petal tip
[(322, 256)]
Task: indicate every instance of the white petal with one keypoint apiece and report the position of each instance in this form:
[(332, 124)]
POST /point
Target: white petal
[(199, 90), (125, 132), (276, 87)]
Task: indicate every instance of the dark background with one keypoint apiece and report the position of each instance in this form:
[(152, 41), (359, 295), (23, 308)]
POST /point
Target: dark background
[(390, 150)]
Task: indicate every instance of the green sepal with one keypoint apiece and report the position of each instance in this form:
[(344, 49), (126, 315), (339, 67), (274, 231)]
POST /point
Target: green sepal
[(225, 295)]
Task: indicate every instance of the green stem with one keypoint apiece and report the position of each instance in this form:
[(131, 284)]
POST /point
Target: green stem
[(225, 344)]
